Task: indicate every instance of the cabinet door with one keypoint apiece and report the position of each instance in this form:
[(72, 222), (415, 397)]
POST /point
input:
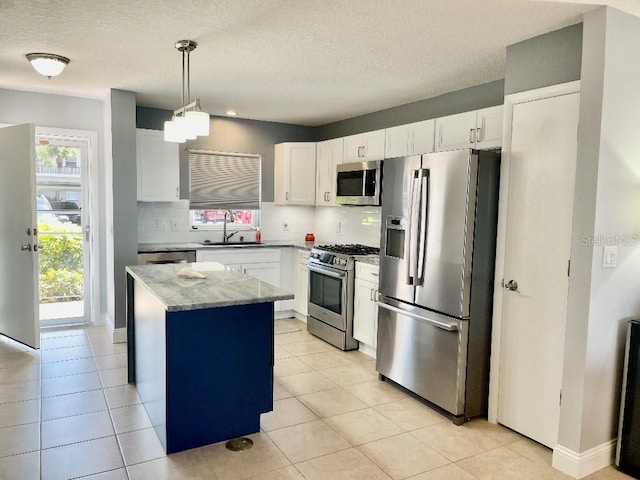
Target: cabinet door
[(295, 174), (365, 312), (328, 157), (489, 124), (302, 289), (158, 168), (373, 143), (353, 146), (265, 272), (455, 131), (422, 137), (396, 142), (281, 194)]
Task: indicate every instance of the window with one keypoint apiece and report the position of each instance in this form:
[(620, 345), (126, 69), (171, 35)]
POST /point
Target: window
[(237, 218), (224, 186)]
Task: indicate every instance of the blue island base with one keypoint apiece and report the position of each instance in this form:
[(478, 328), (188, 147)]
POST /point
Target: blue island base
[(204, 376)]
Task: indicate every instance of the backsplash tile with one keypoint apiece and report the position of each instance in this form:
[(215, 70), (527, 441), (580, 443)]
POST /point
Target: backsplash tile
[(328, 224)]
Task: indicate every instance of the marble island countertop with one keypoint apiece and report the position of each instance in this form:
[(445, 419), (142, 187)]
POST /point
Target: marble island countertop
[(223, 287)]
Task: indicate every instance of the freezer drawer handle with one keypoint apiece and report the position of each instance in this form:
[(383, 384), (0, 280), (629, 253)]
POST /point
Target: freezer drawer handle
[(445, 326)]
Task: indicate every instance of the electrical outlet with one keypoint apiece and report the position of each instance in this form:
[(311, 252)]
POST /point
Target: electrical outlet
[(285, 226), (159, 224), (174, 225), (610, 256)]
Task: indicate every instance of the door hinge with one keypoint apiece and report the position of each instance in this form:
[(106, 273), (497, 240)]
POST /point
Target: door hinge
[(568, 268)]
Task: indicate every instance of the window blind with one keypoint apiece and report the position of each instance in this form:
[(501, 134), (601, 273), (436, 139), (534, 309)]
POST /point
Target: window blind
[(220, 180)]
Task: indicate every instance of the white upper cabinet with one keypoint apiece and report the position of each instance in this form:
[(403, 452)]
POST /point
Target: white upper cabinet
[(409, 139), (158, 167), (364, 147), (480, 129), (295, 173), (329, 156)]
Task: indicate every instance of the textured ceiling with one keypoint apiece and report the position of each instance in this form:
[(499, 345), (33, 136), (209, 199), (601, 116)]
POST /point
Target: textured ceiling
[(308, 62)]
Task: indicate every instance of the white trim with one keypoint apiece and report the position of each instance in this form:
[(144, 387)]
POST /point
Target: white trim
[(509, 102), (579, 465), (107, 321), (279, 314), (367, 350), (300, 316), (91, 137)]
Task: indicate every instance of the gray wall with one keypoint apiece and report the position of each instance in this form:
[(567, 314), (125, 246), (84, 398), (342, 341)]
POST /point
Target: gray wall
[(124, 231), (548, 59), (234, 135), (606, 206), (473, 98)]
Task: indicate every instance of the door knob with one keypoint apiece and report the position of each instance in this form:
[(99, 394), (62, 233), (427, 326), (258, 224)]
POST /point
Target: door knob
[(512, 286), (26, 248)]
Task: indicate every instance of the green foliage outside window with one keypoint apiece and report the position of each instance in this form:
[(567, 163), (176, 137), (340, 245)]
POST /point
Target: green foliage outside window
[(61, 277)]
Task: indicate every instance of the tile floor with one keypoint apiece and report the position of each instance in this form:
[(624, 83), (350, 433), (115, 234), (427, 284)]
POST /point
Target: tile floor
[(67, 412)]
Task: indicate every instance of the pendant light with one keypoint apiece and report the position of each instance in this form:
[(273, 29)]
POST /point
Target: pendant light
[(47, 64), (188, 121)]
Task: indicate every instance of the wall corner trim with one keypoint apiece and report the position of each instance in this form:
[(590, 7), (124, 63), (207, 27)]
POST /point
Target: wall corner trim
[(117, 335), (579, 465)]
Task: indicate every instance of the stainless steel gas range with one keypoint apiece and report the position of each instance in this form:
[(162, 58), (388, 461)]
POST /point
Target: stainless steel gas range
[(331, 284)]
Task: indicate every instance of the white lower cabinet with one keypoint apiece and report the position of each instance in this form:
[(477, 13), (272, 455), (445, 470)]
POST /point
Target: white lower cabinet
[(365, 310), (261, 263), (301, 300)]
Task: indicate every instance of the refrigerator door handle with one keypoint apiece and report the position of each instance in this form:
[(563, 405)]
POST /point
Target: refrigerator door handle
[(412, 264), (424, 209), (450, 327)]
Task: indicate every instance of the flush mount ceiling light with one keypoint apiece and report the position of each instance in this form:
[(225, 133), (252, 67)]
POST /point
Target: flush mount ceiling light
[(188, 121), (48, 64)]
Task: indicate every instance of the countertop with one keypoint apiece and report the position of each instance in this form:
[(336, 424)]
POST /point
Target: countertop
[(174, 247), (223, 287), (368, 259)]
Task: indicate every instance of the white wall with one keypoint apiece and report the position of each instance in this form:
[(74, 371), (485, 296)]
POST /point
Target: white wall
[(606, 211), (59, 111)]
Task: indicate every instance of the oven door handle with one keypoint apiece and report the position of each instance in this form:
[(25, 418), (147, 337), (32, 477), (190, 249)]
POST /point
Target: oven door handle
[(328, 273), (450, 327)]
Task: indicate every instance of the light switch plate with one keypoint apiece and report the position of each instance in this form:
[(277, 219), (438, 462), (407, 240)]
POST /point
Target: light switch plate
[(610, 256)]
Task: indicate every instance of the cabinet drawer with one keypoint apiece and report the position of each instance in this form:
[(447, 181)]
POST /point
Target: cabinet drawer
[(367, 272)]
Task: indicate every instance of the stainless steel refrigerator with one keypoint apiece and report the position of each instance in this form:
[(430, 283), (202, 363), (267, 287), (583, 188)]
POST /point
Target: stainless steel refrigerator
[(437, 255)]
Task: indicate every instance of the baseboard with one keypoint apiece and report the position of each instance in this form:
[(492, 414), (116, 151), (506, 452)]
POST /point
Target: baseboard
[(290, 314), (120, 335), (300, 316), (579, 465), (367, 350)]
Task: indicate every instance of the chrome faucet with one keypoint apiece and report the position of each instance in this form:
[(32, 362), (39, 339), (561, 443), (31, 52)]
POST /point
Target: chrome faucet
[(224, 229)]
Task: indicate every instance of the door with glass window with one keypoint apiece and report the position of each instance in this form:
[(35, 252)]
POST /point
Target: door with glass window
[(62, 207)]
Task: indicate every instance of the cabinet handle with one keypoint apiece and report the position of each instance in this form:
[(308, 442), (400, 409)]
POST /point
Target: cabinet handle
[(472, 135), (364, 151), (286, 196), (478, 134), (359, 148), (177, 192)]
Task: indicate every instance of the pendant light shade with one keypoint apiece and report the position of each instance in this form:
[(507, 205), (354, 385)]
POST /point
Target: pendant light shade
[(48, 64), (188, 121), (199, 122)]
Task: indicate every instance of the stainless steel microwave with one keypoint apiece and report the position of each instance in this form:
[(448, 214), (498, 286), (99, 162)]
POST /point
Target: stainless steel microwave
[(359, 183)]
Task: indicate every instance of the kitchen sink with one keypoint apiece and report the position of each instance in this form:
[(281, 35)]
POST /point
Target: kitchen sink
[(228, 244)]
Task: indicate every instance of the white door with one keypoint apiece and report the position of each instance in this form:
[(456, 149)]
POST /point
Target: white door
[(18, 261), (537, 252)]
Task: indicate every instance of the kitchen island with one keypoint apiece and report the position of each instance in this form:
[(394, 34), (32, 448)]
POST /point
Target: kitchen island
[(201, 351)]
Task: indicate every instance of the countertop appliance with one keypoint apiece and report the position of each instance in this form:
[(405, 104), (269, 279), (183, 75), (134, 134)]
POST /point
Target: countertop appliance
[(331, 283), (358, 183), (439, 217), (627, 452), (182, 256)]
